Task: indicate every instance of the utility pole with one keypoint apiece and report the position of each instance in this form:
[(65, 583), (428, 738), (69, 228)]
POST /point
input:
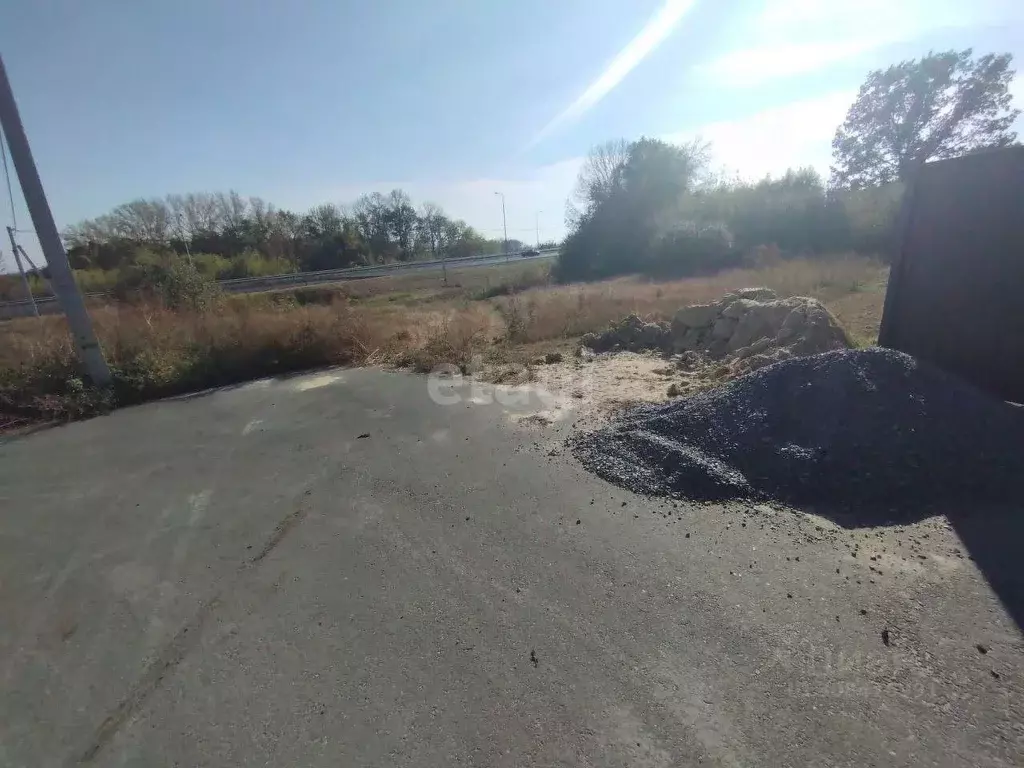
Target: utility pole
[(61, 277), (538, 229), (21, 269), (31, 263), (37, 270), (503, 224)]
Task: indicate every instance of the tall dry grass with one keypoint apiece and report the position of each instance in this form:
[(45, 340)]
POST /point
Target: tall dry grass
[(154, 352), (572, 310)]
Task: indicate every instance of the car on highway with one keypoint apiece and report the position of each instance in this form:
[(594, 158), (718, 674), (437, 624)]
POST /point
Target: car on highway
[(530, 252)]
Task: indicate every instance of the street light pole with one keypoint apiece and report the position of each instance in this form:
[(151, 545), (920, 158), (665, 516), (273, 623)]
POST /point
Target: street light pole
[(62, 279), (504, 225), (538, 229)]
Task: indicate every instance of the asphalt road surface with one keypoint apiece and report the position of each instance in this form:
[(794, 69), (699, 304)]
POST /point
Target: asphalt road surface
[(243, 578)]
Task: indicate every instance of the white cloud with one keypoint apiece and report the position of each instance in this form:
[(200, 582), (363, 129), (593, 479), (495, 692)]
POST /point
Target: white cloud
[(770, 142), (650, 37), (790, 37), (756, 65), (882, 19)]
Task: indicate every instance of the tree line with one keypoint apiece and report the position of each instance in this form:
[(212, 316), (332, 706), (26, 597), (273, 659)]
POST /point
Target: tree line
[(236, 233), (226, 235), (653, 207)]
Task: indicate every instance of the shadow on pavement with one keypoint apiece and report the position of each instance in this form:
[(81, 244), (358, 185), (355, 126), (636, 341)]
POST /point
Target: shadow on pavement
[(995, 539), (993, 535)]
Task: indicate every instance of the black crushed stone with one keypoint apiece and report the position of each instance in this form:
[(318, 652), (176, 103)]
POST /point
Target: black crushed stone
[(868, 431)]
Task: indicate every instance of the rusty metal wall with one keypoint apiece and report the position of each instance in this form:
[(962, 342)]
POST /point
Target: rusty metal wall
[(956, 292)]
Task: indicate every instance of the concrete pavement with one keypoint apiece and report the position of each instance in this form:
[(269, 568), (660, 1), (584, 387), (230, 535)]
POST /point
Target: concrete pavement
[(244, 578)]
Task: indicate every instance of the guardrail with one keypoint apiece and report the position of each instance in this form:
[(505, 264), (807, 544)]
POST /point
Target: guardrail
[(49, 305)]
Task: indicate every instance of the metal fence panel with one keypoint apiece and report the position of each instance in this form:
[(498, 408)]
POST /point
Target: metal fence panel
[(956, 292)]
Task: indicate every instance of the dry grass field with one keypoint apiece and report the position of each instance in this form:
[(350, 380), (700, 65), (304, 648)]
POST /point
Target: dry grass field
[(507, 313)]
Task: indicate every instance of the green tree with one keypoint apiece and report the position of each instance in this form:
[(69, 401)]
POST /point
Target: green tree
[(941, 106), (792, 211), (624, 205)]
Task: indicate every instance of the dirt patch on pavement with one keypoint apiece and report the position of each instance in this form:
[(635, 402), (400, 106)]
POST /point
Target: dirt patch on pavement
[(592, 388)]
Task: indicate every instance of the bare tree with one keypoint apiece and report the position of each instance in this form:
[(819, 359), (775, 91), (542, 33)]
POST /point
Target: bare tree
[(260, 217), (231, 209), (147, 221), (431, 227), (202, 213), (595, 180)]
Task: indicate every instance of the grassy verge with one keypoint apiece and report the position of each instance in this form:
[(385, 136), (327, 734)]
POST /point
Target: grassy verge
[(852, 287), (154, 352), (510, 313)]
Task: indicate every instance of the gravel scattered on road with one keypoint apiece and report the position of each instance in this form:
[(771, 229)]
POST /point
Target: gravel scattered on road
[(870, 431)]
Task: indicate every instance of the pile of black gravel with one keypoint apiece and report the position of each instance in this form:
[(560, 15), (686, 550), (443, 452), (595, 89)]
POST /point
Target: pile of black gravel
[(861, 431)]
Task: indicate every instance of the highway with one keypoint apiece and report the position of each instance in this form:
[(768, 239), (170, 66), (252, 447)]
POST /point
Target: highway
[(336, 570), (49, 305), (255, 284)]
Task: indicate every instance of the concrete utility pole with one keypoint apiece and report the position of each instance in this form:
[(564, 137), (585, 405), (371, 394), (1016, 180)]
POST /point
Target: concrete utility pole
[(538, 229), (503, 224), (61, 277), (21, 269)]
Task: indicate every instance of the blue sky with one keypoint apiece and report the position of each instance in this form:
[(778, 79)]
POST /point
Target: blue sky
[(307, 101)]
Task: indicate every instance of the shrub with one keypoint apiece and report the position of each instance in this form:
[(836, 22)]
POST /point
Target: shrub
[(95, 280), (175, 283), (318, 294), (597, 250), (252, 263), (211, 265), (689, 250), (531, 278), (793, 212), (452, 341)]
